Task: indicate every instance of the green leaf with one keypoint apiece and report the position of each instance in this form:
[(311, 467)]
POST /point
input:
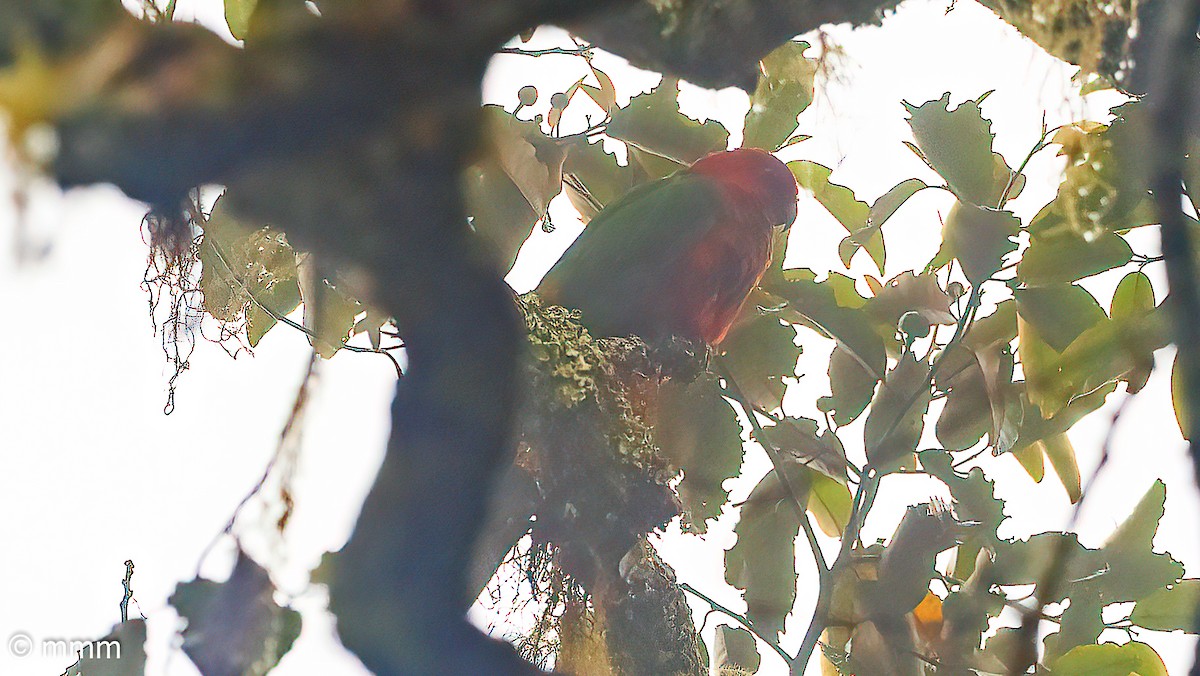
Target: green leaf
[(784, 90), (247, 272), (653, 124), (511, 187), (1061, 453), (967, 416), (974, 501), (1171, 608), (1133, 299), (121, 653), (1059, 313), (840, 201), (1179, 398), (762, 563), (594, 178), (1109, 659), (851, 387), (1098, 193), (830, 502), (897, 415), (1067, 257), (904, 293), (979, 238), (1082, 349), (798, 438), (1026, 561), (1032, 459), (891, 201), (735, 648), (881, 211), (237, 15), (1035, 425), (330, 314), (759, 352), (830, 307), (1081, 623), (698, 431), (235, 627), (1134, 569), (907, 564), (977, 378), (957, 144)]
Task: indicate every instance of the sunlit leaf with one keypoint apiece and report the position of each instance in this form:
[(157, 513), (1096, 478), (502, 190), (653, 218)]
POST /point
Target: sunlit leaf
[(1032, 459), (1097, 192), (1109, 659), (784, 90), (237, 15), (831, 503), (605, 95), (247, 272), (1061, 453), (330, 314), (1179, 398), (1133, 298), (1172, 608), (1059, 313)]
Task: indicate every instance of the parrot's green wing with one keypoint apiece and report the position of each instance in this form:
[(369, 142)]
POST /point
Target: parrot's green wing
[(616, 270)]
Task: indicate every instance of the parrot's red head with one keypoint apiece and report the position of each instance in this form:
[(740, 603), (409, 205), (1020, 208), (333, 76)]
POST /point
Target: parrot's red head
[(754, 178)]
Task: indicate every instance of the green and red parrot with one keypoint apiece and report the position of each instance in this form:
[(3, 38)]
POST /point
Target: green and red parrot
[(679, 256)]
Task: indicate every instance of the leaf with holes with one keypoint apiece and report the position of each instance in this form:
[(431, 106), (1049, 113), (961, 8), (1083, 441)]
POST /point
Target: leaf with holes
[(957, 144), (784, 90), (762, 563), (700, 434), (653, 124), (759, 352)]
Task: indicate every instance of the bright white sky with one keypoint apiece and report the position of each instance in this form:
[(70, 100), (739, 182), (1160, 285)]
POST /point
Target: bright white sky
[(96, 474)]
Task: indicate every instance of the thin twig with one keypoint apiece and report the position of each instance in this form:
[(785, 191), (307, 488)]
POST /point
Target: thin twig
[(283, 319), (864, 496), (741, 619), (285, 436), (584, 51)]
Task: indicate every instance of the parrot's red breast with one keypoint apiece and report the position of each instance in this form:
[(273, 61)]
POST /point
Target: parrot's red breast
[(678, 256)]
